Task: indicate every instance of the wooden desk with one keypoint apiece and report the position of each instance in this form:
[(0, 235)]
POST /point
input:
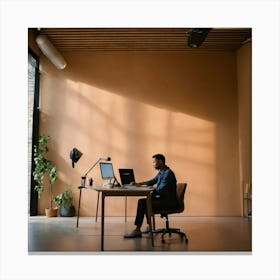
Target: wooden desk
[(97, 204), (116, 191)]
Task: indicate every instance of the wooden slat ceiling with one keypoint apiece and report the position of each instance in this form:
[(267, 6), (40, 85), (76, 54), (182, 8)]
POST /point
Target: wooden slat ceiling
[(138, 39)]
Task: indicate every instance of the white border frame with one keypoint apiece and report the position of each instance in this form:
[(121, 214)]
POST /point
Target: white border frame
[(262, 16)]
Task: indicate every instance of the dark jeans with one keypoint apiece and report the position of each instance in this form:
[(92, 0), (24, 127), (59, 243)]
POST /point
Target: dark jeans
[(157, 204)]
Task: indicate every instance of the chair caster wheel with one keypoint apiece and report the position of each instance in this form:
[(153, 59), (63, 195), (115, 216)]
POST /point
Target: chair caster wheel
[(162, 241)]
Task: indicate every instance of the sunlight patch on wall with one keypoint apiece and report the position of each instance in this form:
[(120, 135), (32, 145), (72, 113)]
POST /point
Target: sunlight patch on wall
[(130, 132)]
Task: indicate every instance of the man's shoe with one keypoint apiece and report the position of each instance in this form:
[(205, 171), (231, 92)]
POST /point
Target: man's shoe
[(133, 234), (146, 230)]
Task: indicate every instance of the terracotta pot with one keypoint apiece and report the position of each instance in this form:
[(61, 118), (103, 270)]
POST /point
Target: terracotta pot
[(51, 212)]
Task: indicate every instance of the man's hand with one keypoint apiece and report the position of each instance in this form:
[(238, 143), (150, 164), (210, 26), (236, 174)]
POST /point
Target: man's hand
[(135, 184)]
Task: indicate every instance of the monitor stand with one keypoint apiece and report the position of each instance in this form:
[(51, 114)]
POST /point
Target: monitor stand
[(114, 184)]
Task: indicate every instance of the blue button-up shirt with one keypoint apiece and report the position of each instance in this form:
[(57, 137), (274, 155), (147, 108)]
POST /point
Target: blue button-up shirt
[(166, 184)]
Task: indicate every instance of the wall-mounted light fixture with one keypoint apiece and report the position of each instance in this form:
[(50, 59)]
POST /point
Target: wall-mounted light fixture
[(75, 155), (50, 51)]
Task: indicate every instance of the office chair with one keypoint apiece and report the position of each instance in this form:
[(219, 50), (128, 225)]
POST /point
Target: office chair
[(181, 188)]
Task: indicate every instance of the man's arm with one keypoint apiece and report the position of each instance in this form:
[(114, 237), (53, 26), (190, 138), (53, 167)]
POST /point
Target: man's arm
[(138, 184), (148, 183)]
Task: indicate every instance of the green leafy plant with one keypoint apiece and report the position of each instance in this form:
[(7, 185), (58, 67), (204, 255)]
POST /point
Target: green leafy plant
[(43, 167), (65, 198)]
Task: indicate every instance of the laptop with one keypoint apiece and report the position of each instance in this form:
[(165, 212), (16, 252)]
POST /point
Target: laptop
[(127, 176)]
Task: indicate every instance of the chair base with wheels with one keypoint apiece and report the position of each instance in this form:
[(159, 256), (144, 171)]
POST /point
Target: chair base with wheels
[(168, 230), (180, 191)]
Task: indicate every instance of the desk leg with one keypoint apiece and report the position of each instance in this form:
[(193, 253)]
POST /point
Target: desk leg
[(149, 212), (97, 206), (125, 209), (102, 221), (78, 215)]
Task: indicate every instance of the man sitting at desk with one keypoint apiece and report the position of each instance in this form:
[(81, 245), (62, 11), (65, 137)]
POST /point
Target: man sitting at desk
[(163, 197)]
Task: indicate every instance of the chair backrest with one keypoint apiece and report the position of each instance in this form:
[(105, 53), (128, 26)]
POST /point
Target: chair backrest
[(180, 190)]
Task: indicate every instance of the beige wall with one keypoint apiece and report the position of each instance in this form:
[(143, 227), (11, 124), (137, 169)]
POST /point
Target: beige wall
[(131, 105), (244, 78)]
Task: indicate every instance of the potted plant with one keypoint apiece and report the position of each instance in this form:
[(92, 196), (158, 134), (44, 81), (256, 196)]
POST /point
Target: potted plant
[(44, 167), (64, 200)]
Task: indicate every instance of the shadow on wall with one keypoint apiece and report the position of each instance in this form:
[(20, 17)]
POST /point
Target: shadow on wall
[(130, 106), (177, 81), (130, 132)]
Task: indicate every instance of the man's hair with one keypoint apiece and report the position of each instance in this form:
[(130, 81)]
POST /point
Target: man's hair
[(159, 157)]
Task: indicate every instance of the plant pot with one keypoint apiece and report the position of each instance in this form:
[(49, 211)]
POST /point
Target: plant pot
[(51, 212), (67, 211)]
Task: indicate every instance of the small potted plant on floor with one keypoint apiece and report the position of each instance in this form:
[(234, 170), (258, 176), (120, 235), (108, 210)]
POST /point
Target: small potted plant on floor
[(44, 167), (64, 200)]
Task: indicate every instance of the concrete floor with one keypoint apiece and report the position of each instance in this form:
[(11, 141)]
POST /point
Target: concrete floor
[(205, 234)]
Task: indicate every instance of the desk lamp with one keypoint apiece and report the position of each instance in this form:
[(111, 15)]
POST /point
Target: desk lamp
[(75, 155)]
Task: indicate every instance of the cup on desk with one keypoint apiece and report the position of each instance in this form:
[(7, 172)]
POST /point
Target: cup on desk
[(90, 181)]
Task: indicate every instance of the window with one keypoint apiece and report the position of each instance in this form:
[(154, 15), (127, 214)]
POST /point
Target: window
[(33, 125)]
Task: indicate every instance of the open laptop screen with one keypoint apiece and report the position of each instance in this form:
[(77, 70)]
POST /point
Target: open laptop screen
[(126, 175)]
